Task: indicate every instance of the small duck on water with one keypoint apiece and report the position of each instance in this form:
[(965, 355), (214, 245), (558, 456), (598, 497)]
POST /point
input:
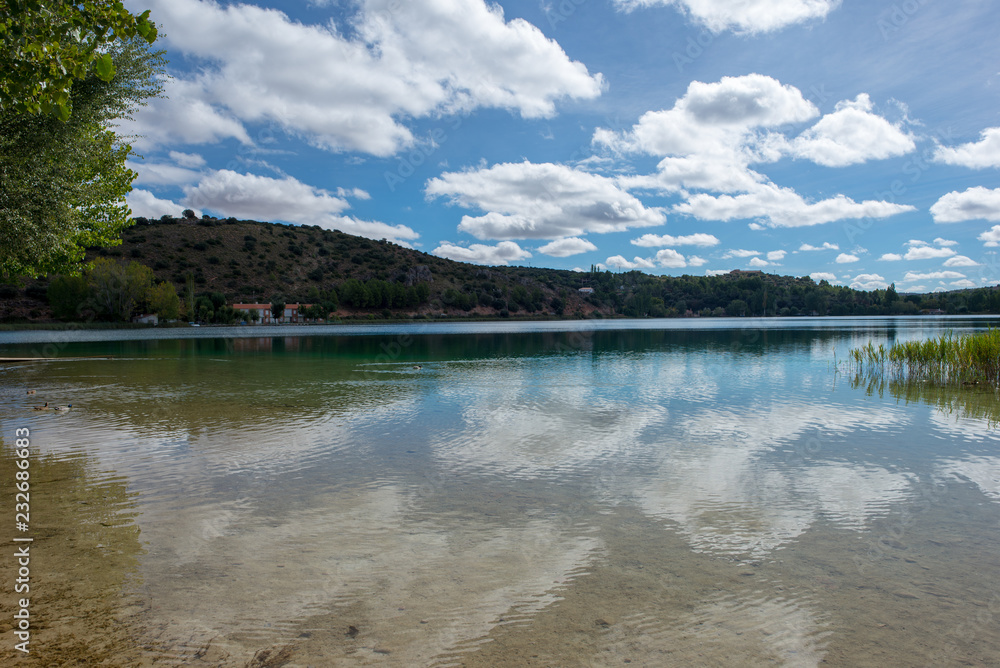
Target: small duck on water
[(418, 367), (43, 408), (46, 407)]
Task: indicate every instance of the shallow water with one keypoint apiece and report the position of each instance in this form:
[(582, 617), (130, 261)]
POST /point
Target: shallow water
[(560, 494)]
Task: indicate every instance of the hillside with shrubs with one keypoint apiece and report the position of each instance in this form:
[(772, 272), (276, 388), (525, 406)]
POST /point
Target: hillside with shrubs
[(195, 269)]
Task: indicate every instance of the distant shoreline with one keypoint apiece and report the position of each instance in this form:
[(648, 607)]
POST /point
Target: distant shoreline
[(445, 327)]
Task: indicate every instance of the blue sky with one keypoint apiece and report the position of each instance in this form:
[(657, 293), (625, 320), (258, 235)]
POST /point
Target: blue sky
[(857, 142)]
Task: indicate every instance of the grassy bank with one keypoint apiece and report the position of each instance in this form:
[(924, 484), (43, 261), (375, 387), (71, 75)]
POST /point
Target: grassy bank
[(970, 359)]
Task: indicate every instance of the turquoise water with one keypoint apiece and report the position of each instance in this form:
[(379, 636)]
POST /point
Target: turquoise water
[(691, 493)]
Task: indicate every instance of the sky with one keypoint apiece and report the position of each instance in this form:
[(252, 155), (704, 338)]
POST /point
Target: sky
[(852, 141)]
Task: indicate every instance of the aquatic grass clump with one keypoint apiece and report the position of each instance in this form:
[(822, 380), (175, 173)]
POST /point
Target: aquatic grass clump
[(969, 359)]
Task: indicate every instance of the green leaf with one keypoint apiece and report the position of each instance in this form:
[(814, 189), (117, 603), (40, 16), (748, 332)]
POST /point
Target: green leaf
[(105, 67)]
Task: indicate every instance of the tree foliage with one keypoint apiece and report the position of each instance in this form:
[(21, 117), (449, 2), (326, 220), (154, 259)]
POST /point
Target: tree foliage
[(117, 289), (63, 184), (48, 45)]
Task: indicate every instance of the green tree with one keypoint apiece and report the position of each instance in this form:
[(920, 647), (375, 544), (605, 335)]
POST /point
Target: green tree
[(254, 315), (67, 296), (117, 289), (277, 307), (163, 301), (63, 184), (48, 45)]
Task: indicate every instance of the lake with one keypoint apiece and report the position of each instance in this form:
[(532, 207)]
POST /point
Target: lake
[(654, 493)]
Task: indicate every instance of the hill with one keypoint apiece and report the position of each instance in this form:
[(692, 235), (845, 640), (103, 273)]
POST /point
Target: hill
[(251, 261)]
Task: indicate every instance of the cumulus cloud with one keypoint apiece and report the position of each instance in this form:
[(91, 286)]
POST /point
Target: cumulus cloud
[(713, 134), (991, 237), (940, 275), (349, 89), (757, 262), (739, 252), (776, 256), (960, 261), (964, 283), (852, 134), (703, 138), (670, 258), (656, 240), (975, 155), (748, 16), (503, 253), (847, 258), (826, 246), (567, 247), (189, 160), (891, 257), (945, 242), (927, 253), (868, 282), (976, 203), (783, 207), (161, 174), (541, 201), (229, 193), (145, 204), (823, 276), (619, 262), (718, 272)]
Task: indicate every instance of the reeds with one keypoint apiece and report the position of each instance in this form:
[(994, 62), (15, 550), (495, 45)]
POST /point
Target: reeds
[(968, 359)]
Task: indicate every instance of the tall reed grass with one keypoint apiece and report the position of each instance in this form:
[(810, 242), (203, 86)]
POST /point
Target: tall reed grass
[(970, 358)]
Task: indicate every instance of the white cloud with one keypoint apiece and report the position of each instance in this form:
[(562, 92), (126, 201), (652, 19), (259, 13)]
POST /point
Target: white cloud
[(183, 116), (501, 254), (739, 253), (851, 135), (783, 207), (846, 258), (668, 257), (891, 257), (976, 203), (927, 253), (747, 16), (823, 276), (190, 160), (757, 262), (945, 242), (696, 261), (826, 246), (975, 155), (656, 240), (960, 261), (348, 90), (145, 204), (868, 282), (703, 138), (541, 201), (712, 135), (162, 173), (228, 193), (991, 237), (567, 247), (619, 262), (940, 275), (776, 256), (718, 272), (964, 283)]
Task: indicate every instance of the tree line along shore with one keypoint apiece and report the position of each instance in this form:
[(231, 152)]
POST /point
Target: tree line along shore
[(194, 269)]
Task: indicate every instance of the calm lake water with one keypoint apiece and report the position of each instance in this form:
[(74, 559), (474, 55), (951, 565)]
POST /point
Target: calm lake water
[(653, 493)]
